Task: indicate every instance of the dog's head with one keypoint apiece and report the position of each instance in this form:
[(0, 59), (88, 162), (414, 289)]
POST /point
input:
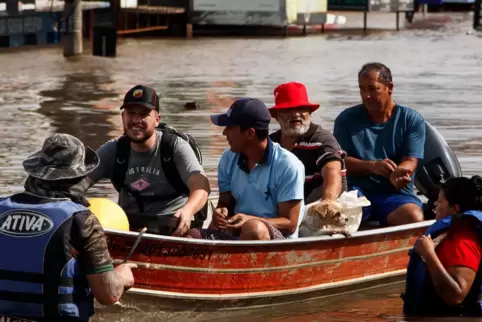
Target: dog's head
[(329, 213)]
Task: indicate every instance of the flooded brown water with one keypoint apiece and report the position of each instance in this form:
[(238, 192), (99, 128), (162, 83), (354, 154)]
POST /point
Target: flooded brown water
[(437, 71)]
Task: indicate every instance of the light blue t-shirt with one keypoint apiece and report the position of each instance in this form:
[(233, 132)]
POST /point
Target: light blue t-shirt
[(403, 135), (280, 177)]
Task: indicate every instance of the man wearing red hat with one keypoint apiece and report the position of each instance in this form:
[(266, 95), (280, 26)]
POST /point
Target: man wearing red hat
[(316, 147), (384, 142)]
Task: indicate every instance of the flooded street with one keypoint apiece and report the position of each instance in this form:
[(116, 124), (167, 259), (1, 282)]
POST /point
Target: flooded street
[(436, 71)]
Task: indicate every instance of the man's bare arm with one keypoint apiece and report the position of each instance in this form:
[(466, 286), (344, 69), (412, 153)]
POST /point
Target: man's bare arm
[(199, 188), (106, 282), (107, 287), (410, 164), (289, 213), (331, 174), (226, 200), (357, 167)]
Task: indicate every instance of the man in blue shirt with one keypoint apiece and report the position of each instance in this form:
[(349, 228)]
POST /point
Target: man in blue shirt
[(260, 183), (384, 142)]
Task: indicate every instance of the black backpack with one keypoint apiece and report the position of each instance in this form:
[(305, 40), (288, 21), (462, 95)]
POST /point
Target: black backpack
[(169, 136)]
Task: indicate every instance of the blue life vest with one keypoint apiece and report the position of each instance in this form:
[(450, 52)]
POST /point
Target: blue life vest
[(420, 297), (40, 279)]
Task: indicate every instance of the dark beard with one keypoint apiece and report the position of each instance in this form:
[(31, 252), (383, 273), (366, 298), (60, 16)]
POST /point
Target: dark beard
[(143, 139)]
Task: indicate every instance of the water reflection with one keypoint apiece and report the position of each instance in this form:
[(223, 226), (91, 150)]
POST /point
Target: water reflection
[(79, 103), (372, 304)]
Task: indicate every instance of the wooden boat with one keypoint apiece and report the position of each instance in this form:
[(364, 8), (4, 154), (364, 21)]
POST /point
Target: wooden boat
[(206, 274), (180, 272)]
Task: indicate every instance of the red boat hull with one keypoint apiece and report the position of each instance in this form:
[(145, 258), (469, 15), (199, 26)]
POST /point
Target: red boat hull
[(203, 270)]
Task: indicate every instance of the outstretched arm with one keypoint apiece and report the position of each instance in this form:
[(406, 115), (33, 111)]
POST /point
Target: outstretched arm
[(89, 247)]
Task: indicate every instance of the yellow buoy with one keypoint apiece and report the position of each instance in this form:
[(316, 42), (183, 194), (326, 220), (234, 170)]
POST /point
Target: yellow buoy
[(110, 214)]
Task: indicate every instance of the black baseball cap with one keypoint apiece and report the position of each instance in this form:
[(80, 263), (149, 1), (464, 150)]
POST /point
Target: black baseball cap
[(142, 95), (245, 112)]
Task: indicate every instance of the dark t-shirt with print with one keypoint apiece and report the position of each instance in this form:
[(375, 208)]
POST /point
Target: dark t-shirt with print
[(315, 148)]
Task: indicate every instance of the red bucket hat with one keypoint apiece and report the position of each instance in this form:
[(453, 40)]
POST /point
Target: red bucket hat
[(291, 95)]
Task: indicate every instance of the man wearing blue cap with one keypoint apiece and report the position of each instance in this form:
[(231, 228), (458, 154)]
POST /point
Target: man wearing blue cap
[(260, 184)]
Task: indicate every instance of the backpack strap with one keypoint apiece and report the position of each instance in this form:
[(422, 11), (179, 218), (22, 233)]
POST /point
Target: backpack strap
[(167, 162), (123, 151)]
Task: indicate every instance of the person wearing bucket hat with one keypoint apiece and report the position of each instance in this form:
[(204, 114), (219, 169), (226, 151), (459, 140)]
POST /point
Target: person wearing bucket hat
[(260, 184), (156, 170), (54, 254), (384, 142), (314, 146)]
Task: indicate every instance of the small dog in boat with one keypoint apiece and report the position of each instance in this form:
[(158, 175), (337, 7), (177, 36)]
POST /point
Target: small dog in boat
[(324, 218)]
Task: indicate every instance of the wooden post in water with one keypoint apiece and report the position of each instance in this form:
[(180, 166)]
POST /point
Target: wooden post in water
[(188, 31), (477, 15), (365, 21), (398, 20), (72, 31), (188, 21), (12, 7)]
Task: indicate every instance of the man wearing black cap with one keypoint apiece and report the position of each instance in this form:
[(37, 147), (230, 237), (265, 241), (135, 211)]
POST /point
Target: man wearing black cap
[(260, 183), (135, 164)]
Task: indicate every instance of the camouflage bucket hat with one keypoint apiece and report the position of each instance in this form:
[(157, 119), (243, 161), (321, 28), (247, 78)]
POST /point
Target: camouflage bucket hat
[(62, 157)]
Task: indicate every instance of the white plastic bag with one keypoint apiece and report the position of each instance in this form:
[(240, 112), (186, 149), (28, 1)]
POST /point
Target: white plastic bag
[(353, 208)]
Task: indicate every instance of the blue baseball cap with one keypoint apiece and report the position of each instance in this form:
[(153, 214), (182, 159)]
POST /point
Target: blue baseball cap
[(245, 112)]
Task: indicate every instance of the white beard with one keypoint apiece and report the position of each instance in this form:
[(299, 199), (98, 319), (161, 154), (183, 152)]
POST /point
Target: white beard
[(296, 131)]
